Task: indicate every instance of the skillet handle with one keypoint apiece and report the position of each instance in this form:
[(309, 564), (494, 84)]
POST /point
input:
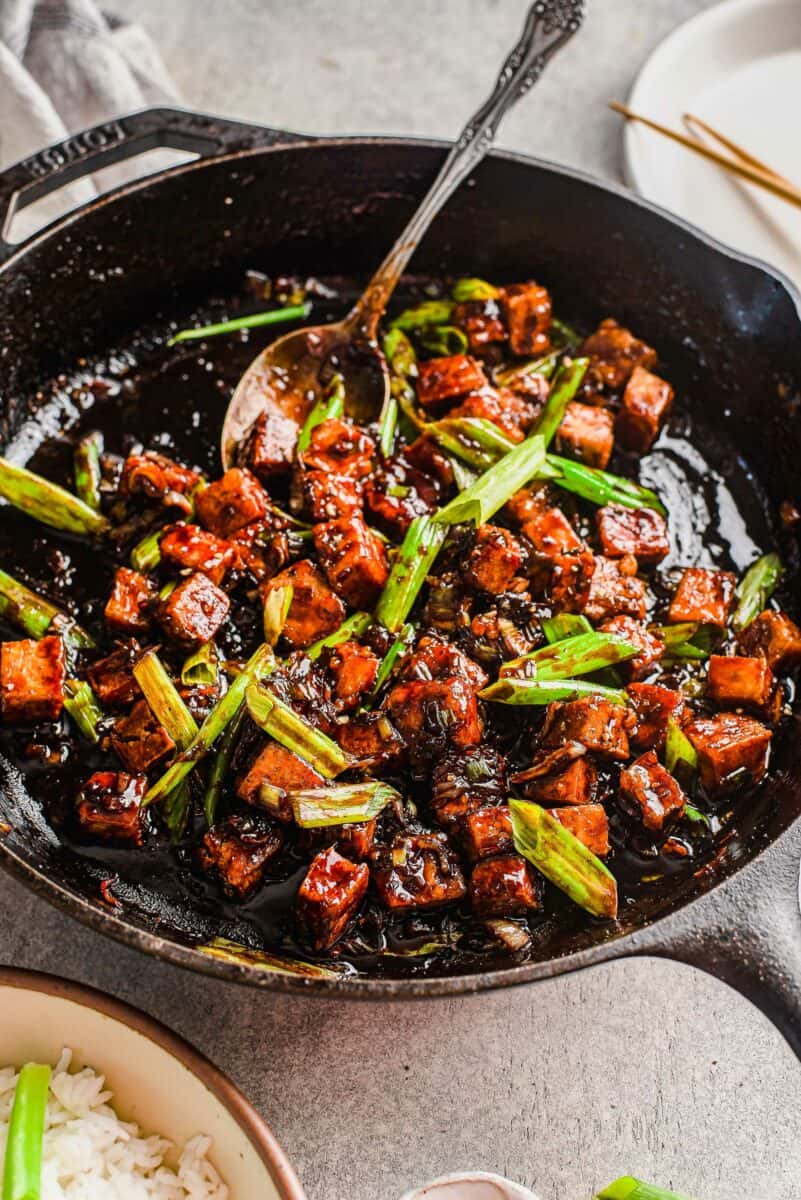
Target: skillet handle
[(119, 139)]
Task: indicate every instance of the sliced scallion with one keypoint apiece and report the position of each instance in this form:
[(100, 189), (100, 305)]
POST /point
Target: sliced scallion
[(47, 502), (81, 704), (508, 690), (489, 493), (276, 610), (86, 469), (275, 316), (351, 629), (146, 555), (564, 625), (295, 732), (567, 382), (629, 1188), (421, 545), (474, 289), (563, 859), (201, 669), (572, 656), (599, 487), (428, 312), (347, 804), (755, 589)]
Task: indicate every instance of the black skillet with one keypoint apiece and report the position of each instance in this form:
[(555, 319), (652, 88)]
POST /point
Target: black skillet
[(728, 331)]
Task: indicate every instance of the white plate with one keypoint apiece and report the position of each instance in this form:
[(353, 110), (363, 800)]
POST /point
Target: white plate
[(475, 1185), (738, 67)]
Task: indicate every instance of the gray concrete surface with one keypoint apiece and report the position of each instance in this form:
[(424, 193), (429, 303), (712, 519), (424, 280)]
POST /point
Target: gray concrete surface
[(643, 1067)]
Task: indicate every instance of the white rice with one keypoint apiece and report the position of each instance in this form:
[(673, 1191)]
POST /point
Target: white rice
[(90, 1154)]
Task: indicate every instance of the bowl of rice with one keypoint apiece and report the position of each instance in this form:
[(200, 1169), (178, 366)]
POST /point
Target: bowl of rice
[(133, 1112)]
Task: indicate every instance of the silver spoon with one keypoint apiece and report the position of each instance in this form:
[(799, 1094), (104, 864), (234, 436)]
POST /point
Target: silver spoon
[(286, 376)]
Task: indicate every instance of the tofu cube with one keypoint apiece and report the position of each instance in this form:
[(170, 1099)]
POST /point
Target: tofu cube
[(354, 841), (574, 785), (396, 495), (32, 678), (341, 448), (237, 851), (108, 808), (587, 822), (190, 548), (775, 637), (130, 603), (481, 320), (139, 741), (638, 531), (528, 317), (731, 749), (231, 502), (372, 739), (194, 611), (635, 633), (112, 677), (587, 433), (425, 455), (485, 832), (614, 353), (614, 592), (417, 871), (271, 445), (446, 379), (353, 558), (595, 722), (569, 561), (494, 561), (329, 897), (280, 771), (653, 706), (315, 610), (353, 669), (512, 413), (504, 887), (703, 595), (432, 715), (736, 682), (650, 792), (647, 401), (324, 496)]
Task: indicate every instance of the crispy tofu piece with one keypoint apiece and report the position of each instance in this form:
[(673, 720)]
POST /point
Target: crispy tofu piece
[(731, 749), (614, 592), (638, 531), (653, 706), (190, 548), (636, 634), (371, 738), (108, 807), (32, 677), (139, 741), (647, 401), (464, 781), (271, 445), (431, 714), (418, 870), (587, 433), (425, 455), (703, 595), (354, 841), (571, 562), (315, 610), (194, 611), (395, 496), (329, 897), (482, 321), (736, 682), (528, 317), (237, 851), (589, 823), (233, 501), (128, 607), (354, 669), (436, 658), (324, 496), (574, 785), (597, 723), (446, 379), (353, 558), (281, 771), (340, 447), (504, 887), (614, 353), (512, 414), (486, 831), (494, 561), (158, 479), (112, 677), (775, 637), (528, 503), (648, 790)]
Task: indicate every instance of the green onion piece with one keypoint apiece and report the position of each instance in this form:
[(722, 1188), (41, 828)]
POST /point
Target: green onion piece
[(241, 956), (420, 546), (276, 610), (534, 366), (600, 487), (496, 486), (295, 732), (509, 690), (444, 339), (396, 652), (146, 555), (330, 406), (629, 1188), (566, 335), (260, 664), (164, 700), (388, 423), (755, 589), (22, 1173), (476, 440), (316, 808), (693, 814), (567, 382), (580, 655), (36, 616), (679, 750), (429, 312), (81, 704), (564, 625), (351, 629), (399, 353), (175, 810), (275, 316), (563, 859), (463, 476), (685, 639), (202, 668), (474, 289), (86, 467), (47, 502), (220, 766)]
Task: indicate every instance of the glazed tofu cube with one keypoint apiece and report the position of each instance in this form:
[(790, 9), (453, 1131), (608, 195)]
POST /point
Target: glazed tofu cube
[(139, 741), (190, 548), (464, 781), (231, 502), (528, 503), (194, 611), (636, 634), (646, 403), (279, 771), (128, 608), (650, 792), (433, 714), (528, 317), (703, 595), (237, 851), (614, 592), (551, 534), (108, 808), (587, 822), (446, 379), (425, 455), (504, 887), (32, 677), (315, 610), (575, 785), (417, 871), (775, 637), (485, 832), (372, 739), (158, 479), (735, 682), (353, 841), (112, 677), (653, 706), (512, 414), (482, 322), (341, 448), (571, 562), (329, 897), (595, 722), (731, 749), (614, 353), (354, 560), (354, 669), (587, 433), (638, 531), (436, 658), (325, 496), (494, 561), (271, 445), (395, 496)]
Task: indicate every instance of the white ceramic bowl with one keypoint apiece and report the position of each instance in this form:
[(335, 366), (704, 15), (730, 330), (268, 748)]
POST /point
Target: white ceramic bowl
[(158, 1080), (473, 1185)]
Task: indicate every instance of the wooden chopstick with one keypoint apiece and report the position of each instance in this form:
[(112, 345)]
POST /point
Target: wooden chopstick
[(745, 170), (692, 122)]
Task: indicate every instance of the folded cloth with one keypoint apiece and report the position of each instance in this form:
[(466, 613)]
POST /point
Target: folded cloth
[(65, 65)]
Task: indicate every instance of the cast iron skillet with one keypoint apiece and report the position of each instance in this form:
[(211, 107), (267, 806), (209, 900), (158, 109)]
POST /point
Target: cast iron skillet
[(728, 329)]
